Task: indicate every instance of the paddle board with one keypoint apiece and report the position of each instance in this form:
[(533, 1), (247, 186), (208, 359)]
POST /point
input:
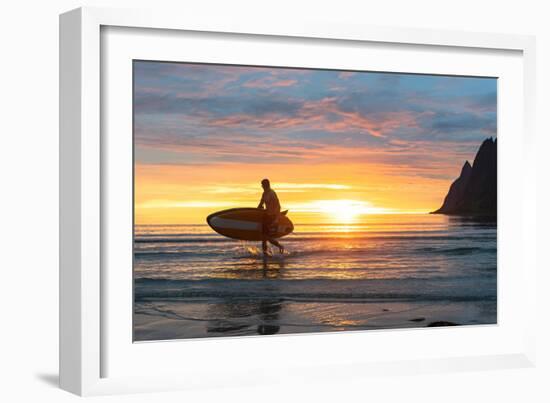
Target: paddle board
[(246, 224)]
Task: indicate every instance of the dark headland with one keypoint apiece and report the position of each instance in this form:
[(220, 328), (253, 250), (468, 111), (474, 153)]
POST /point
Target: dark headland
[(474, 192)]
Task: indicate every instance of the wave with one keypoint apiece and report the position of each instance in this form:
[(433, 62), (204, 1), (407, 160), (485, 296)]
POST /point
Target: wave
[(464, 250), (314, 290), (247, 252)]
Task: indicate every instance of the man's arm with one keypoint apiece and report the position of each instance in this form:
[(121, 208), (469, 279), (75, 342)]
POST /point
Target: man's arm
[(262, 201)]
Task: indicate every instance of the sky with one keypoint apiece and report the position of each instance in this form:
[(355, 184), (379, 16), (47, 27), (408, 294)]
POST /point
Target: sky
[(336, 145)]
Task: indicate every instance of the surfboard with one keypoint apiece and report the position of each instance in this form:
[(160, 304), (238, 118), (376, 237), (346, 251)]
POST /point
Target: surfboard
[(246, 224)]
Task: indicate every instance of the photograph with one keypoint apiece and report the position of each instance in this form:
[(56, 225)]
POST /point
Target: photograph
[(287, 200)]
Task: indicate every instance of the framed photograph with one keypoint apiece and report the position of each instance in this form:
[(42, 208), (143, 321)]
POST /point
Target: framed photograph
[(245, 201)]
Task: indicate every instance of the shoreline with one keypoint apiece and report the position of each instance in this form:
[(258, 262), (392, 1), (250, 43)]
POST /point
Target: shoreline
[(182, 319)]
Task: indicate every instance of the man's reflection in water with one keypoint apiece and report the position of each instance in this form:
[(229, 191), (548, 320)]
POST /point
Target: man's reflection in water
[(257, 315), (269, 309)]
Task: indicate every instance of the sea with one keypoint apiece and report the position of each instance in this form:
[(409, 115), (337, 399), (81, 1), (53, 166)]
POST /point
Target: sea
[(388, 271)]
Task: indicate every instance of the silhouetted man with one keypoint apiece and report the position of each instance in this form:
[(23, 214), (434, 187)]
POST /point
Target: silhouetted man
[(271, 216)]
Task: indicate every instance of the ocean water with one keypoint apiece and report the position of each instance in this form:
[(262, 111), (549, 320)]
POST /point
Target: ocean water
[(388, 271)]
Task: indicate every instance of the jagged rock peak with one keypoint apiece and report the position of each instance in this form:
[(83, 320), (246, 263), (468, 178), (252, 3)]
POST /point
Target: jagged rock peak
[(466, 168), (474, 191)]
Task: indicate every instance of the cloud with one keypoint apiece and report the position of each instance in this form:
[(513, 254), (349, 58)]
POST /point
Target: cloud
[(453, 122), (281, 187), (324, 114), (153, 204), (269, 82), (209, 114), (345, 75), (482, 103)]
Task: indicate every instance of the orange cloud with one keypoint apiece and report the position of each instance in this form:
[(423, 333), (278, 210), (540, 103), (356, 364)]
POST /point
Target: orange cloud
[(324, 114), (269, 82), (345, 75)]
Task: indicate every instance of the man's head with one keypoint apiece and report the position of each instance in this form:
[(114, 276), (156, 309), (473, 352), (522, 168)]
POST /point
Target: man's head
[(265, 184)]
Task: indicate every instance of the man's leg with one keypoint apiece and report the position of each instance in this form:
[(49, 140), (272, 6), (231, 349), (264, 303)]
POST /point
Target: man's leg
[(265, 229), (277, 244)]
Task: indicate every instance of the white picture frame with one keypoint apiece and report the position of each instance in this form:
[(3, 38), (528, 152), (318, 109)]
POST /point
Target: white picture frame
[(88, 335)]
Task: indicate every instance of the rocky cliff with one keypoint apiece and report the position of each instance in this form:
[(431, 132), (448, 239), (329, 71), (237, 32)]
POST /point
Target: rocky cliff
[(475, 190)]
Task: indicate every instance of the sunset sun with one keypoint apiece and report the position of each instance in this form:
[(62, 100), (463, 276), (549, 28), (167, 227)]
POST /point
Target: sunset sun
[(341, 211)]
